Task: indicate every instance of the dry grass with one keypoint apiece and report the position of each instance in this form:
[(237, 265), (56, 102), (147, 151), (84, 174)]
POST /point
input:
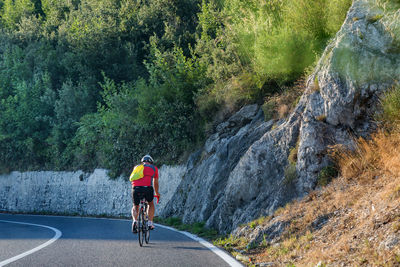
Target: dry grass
[(281, 105), (315, 85), (371, 157), (360, 213), (321, 118)]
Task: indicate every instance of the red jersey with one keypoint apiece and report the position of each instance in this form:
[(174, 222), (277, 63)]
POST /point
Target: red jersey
[(147, 178)]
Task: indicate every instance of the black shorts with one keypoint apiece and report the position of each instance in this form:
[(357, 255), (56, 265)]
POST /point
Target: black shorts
[(139, 192)]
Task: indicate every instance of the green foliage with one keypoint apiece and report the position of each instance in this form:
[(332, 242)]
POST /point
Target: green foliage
[(230, 242), (261, 220), (269, 110), (23, 126), (87, 141), (170, 221), (14, 10), (326, 175), (197, 228), (99, 83), (391, 107), (210, 20), (259, 42), (74, 45), (293, 154), (290, 173), (165, 104), (74, 101), (282, 38), (155, 117), (110, 137)]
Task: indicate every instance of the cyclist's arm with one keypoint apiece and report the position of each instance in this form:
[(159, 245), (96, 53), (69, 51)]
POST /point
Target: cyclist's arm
[(155, 183)]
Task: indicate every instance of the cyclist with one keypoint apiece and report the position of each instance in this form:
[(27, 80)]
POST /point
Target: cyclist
[(145, 186)]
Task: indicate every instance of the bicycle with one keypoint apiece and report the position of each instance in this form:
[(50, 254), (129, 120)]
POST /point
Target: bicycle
[(142, 225)]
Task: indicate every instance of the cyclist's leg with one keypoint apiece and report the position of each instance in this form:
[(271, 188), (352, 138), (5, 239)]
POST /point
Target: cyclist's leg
[(151, 210), (135, 209), (134, 218), (149, 198), (136, 196)]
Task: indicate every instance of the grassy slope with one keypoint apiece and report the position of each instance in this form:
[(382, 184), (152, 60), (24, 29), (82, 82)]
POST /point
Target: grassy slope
[(354, 221)]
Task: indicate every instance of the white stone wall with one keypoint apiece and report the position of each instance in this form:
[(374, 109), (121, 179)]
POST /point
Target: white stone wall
[(170, 178), (77, 192)]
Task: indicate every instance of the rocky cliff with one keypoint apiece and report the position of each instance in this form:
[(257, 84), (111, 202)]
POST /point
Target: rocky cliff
[(240, 173)]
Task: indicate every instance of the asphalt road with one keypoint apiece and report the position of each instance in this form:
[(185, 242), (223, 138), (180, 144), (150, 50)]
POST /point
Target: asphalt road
[(95, 242)]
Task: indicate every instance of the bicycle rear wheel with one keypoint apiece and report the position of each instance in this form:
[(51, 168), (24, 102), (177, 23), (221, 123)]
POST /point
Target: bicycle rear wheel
[(141, 228), (147, 232)]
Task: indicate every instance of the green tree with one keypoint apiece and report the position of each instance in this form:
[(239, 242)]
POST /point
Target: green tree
[(73, 102), (157, 116), (166, 105), (23, 127), (14, 10)]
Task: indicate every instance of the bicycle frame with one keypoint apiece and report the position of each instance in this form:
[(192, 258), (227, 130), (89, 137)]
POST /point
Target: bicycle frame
[(143, 217)]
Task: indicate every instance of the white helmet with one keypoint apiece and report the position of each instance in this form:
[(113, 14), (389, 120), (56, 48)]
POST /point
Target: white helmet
[(148, 159)]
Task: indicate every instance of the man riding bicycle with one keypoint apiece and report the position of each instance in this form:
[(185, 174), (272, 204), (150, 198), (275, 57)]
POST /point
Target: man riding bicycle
[(144, 187)]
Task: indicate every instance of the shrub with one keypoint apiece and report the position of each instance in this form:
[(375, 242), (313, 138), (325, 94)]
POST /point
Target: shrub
[(173, 221), (156, 116), (280, 39), (315, 85), (197, 228), (261, 220), (13, 11), (326, 175), (293, 153), (290, 173), (390, 103), (269, 110), (256, 43), (375, 18), (231, 242)]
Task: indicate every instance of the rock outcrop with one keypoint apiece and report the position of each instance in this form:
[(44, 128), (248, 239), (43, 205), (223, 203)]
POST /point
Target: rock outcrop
[(240, 173), (203, 185), (356, 67)]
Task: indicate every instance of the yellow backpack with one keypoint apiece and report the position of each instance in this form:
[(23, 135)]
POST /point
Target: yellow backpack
[(137, 173)]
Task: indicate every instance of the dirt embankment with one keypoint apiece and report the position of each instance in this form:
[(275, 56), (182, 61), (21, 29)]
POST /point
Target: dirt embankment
[(354, 221)]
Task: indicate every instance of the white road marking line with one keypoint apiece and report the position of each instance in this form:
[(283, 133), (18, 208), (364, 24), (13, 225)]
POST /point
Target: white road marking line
[(222, 254), (52, 240)]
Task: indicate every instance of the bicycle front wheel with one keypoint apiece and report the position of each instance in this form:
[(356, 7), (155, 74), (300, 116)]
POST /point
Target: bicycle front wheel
[(141, 228)]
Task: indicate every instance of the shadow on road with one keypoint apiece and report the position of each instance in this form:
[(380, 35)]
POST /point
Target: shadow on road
[(80, 228), (191, 248)]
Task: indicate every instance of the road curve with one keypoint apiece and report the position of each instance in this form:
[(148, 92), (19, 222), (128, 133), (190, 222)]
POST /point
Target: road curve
[(96, 242)]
